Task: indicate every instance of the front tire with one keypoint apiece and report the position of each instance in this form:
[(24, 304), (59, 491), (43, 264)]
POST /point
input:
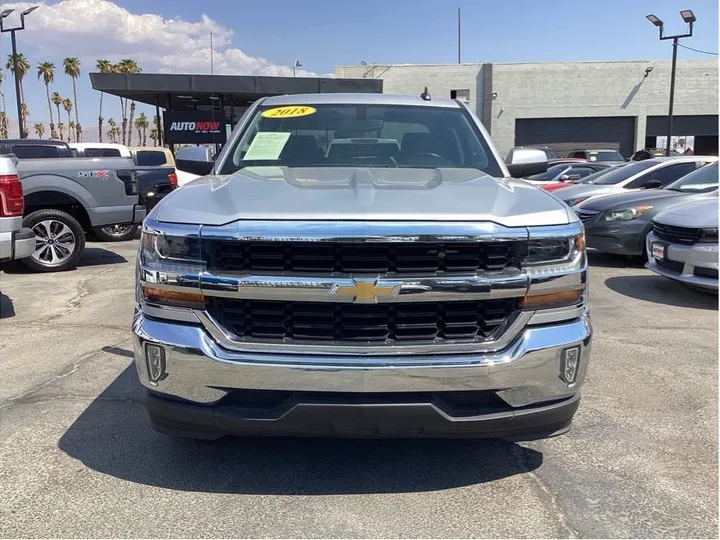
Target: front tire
[(59, 241), (116, 233)]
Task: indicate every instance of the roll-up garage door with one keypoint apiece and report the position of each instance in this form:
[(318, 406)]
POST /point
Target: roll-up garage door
[(566, 134)]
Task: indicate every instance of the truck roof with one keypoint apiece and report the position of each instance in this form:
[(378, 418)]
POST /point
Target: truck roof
[(359, 99), (36, 142)]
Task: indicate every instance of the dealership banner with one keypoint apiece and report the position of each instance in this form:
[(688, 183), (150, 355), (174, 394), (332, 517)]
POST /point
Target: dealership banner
[(182, 127)]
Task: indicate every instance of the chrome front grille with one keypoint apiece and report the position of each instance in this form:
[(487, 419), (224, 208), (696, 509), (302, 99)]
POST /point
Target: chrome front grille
[(676, 235), (357, 258), (417, 322)]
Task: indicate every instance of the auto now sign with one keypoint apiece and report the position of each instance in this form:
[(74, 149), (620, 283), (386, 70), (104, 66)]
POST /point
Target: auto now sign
[(194, 127)]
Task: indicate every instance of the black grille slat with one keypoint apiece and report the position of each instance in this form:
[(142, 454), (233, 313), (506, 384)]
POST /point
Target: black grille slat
[(373, 323), (676, 235), (326, 257)]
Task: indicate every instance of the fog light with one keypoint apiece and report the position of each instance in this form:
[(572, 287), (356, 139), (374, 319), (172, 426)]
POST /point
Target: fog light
[(569, 362), (155, 360)]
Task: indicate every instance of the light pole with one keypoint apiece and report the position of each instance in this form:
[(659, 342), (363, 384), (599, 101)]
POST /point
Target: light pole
[(689, 17), (12, 31), (296, 65)]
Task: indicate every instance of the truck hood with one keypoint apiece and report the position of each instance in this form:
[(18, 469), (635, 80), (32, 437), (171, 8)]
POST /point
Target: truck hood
[(361, 194)]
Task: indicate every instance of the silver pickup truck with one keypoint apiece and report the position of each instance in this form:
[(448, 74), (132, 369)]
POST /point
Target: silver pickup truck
[(410, 289)]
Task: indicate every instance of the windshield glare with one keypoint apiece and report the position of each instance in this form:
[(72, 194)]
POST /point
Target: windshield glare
[(617, 175), (343, 135), (701, 180), (605, 155)]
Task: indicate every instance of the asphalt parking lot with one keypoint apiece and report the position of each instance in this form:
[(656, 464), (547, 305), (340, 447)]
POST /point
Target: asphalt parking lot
[(79, 458)]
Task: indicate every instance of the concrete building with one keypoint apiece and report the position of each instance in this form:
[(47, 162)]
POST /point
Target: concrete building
[(566, 105)]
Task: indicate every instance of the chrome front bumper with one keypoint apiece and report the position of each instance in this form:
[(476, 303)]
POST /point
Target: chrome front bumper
[(197, 369)]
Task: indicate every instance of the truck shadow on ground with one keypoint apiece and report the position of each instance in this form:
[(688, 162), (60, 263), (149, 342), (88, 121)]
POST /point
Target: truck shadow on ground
[(113, 436), (7, 309), (660, 290), (93, 256), (610, 260)]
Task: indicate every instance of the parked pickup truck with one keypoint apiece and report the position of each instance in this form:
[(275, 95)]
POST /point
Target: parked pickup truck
[(16, 241), (419, 292), (153, 182)]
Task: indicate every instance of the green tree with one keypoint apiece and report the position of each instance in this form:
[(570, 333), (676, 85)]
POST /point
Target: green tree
[(68, 106), (57, 101), (46, 72), (141, 124), (39, 128), (103, 66), (23, 66), (71, 66), (61, 130), (154, 136), (127, 65)]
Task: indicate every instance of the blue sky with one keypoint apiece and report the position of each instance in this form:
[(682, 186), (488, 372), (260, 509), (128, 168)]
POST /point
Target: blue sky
[(266, 37)]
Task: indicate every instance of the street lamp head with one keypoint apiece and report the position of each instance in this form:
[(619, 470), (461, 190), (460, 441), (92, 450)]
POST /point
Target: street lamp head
[(298, 64), (688, 16), (5, 13), (653, 19), (28, 11)]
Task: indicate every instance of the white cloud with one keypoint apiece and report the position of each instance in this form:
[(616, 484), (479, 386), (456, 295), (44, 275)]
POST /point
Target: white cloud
[(92, 29)]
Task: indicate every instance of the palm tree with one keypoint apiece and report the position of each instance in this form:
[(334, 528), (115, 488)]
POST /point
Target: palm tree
[(127, 65), (68, 105), (39, 128), (103, 66), (23, 66), (46, 71), (141, 124), (25, 114), (57, 101), (61, 130), (3, 125), (71, 130), (154, 136), (72, 69), (112, 132)]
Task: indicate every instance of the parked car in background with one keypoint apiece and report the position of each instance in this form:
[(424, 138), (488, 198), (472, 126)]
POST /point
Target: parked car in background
[(16, 241), (566, 173), (98, 149), (587, 179), (649, 153), (619, 223), (605, 156), (158, 156), (646, 174), (683, 244), (520, 154)]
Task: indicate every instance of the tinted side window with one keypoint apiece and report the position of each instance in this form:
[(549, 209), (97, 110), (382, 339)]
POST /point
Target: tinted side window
[(150, 158), (581, 171), (102, 152), (29, 151), (665, 176)]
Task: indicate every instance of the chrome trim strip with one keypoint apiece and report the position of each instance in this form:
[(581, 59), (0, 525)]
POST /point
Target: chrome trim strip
[(324, 289), (169, 312), (225, 339), (544, 316), (362, 231)]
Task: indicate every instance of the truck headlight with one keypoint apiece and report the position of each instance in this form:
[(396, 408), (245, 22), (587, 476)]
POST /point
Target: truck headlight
[(625, 214), (170, 265), (547, 251)]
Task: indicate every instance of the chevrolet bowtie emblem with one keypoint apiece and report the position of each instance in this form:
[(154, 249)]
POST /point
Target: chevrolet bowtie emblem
[(364, 292)]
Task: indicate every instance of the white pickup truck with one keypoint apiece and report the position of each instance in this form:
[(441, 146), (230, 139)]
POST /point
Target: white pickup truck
[(16, 241)]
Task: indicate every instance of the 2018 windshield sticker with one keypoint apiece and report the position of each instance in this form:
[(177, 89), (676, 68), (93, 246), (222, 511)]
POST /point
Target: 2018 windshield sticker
[(292, 111)]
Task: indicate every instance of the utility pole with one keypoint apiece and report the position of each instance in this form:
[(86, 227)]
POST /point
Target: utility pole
[(212, 54), (459, 36)]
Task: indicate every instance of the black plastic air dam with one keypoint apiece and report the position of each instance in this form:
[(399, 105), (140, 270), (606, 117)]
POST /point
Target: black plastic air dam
[(352, 420)]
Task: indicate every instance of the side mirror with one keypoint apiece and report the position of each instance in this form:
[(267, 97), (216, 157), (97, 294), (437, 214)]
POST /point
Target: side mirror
[(652, 184), (201, 168), (521, 170)]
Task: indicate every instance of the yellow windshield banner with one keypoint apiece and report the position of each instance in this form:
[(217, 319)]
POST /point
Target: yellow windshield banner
[(291, 111)]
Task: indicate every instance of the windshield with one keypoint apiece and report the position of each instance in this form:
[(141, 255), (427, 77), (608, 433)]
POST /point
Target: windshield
[(343, 135), (701, 180), (551, 173), (605, 155), (617, 175)]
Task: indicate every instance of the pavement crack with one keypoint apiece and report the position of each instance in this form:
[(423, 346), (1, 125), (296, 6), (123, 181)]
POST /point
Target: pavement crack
[(20, 398), (83, 290), (546, 494)]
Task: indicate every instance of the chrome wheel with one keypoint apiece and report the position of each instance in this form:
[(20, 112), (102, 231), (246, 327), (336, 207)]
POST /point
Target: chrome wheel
[(54, 242), (117, 230)]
